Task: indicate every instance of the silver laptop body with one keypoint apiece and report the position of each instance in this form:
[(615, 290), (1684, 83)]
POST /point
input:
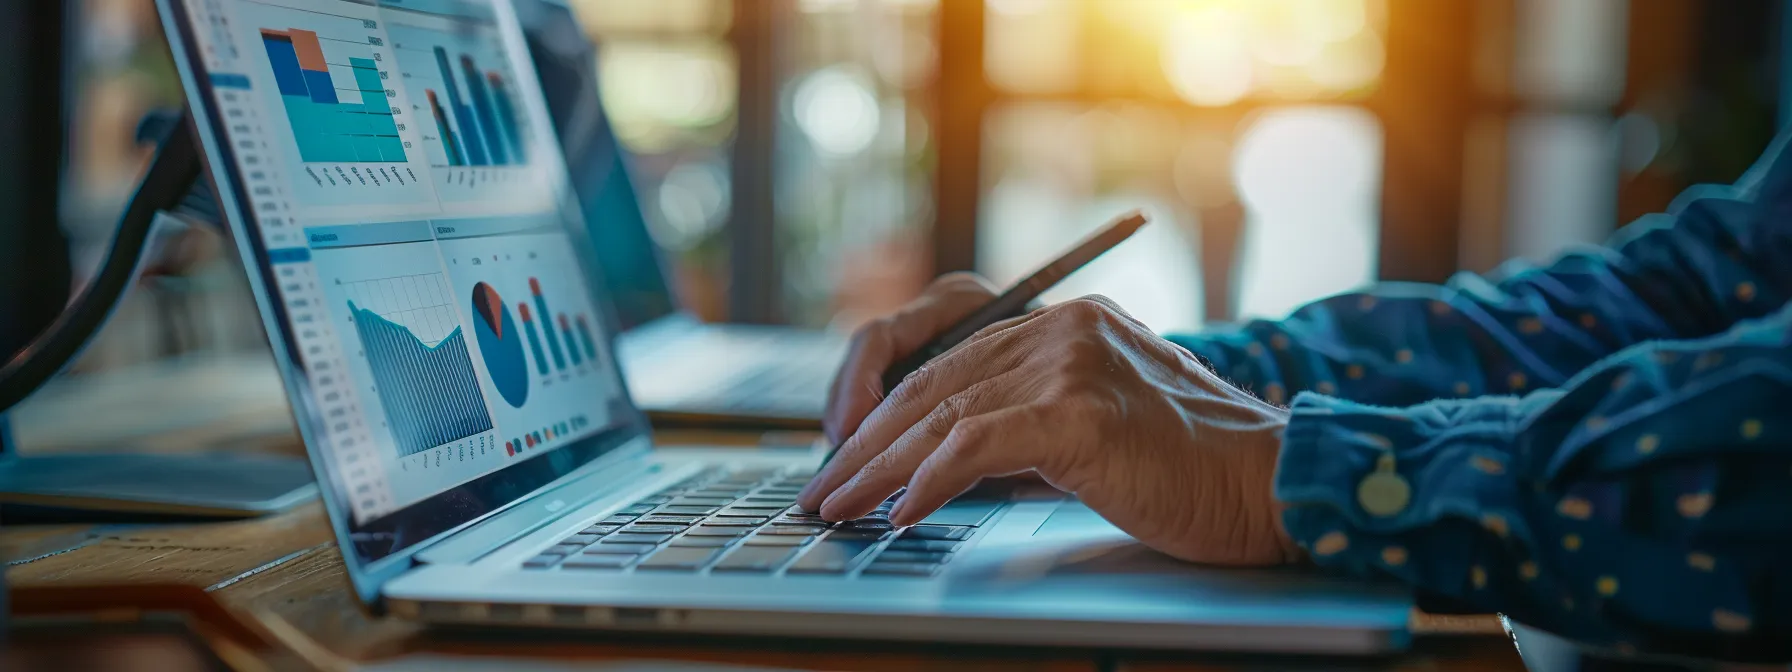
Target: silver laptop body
[(426, 284), (678, 365)]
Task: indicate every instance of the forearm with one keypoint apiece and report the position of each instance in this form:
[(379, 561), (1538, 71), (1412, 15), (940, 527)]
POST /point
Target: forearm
[(1648, 498)]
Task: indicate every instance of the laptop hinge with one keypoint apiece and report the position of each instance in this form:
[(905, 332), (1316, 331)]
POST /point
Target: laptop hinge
[(540, 511)]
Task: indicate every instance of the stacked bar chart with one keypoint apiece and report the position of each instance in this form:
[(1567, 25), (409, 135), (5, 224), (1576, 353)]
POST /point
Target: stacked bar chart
[(430, 393), (585, 338), (571, 348), (541, 304), (478, 124), (345, 121), (541, 360)]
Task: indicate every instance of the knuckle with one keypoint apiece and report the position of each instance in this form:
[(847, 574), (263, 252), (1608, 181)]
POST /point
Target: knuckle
[(959, 279), (940, 422), (970, 433), (875, 331)]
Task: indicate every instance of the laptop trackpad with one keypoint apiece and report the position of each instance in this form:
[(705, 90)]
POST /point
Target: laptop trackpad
[(1086, 543)]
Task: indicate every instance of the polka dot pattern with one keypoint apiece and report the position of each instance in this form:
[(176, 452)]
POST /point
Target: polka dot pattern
[(1477, 398)]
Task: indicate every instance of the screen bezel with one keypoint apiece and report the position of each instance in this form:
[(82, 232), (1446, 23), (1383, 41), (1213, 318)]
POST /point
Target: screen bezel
[(514, 484)]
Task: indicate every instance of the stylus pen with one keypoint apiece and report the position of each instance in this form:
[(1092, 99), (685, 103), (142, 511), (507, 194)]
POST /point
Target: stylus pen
[(1013, 303)]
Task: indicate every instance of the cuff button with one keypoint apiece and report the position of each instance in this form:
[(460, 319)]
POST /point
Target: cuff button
[(1383, 493)]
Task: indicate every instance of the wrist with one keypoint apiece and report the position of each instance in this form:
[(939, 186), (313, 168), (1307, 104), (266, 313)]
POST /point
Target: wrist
[(1290, 552)]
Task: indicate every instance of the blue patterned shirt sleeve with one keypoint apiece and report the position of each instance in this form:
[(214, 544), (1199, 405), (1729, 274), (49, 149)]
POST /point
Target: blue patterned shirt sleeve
[(1601, 447)]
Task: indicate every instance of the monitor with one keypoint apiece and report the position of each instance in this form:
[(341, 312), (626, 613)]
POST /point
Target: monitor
[(627, 256), (396, 187)]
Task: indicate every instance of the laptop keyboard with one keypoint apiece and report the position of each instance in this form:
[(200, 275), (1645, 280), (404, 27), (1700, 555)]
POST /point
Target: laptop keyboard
[(744, 521), (780, 386)]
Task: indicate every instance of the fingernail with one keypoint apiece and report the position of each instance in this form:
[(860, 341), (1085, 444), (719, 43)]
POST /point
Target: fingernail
[(896, 513), (825, 504)]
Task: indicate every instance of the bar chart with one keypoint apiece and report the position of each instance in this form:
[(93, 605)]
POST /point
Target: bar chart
[(330, 121), (462, 83), (334, 121), (555, 346)]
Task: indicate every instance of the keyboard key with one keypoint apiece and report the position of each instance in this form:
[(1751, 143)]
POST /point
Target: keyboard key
[(793, 530), (542, 561), (702, 501), (969, 513), (656, 499), (565, 548), (620, 519), (928, 557), (639, 528), (922, 545), (760, 499), (599, 561), (581, 539), (936, 532), (752, 511), (776, 540), (755, 559), (624, 549), (803, 515), (881, 568), (831, 556), (717, 531), (734, 522), (684, 558), (600, 530), (637, 509), (687, 510), (657, 519), (857, 535), (629, 538), (866, 524), (704, 542)]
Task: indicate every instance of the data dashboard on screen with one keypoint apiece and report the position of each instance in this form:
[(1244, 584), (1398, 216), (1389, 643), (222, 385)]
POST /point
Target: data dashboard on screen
[(411, 205)]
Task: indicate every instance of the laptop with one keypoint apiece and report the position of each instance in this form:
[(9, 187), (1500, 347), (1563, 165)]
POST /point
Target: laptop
[(678, 368), (392, 180)]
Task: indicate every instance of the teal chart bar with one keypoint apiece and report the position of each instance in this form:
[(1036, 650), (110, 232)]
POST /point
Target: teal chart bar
[(325, 126)]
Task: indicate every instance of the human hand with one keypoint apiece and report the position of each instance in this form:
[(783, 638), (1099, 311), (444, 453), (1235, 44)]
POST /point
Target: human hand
[(858, 386), (1093, 401)]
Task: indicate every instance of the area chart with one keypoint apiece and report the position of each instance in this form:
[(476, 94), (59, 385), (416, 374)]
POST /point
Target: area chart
[(430, 393)]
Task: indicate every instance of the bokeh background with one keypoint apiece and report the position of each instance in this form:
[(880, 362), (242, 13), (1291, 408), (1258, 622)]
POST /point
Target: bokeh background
[(1289, 149)]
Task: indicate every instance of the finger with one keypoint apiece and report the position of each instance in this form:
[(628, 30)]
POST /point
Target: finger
[(871, 347), (1002, 443), (912, 400), (858, 385), (1000, 327), (890, 469)]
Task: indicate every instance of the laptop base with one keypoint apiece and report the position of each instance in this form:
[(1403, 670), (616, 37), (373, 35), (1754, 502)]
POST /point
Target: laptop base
[(116, 487)]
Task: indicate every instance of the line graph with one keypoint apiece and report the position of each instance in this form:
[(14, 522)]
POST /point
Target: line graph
[(420, 303), (418, 357)]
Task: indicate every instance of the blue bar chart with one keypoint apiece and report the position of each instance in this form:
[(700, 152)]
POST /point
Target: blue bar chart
[(464, 87)]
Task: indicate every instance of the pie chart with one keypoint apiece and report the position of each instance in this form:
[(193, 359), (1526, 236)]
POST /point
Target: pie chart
[(501, 345)]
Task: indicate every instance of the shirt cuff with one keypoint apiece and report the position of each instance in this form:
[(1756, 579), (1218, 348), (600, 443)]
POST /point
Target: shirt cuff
[(1411, 492)]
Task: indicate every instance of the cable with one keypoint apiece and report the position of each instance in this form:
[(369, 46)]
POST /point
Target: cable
[(172, 183)]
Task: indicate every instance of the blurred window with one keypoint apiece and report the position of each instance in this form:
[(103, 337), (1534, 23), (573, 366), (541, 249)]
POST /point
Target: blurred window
[(1192, 109), (668, 74)]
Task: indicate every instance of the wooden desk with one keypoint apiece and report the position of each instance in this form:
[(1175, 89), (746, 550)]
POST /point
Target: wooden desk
[(284, 573)]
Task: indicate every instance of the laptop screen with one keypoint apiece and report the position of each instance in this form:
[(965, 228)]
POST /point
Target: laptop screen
[(626, 253), (417, 248)]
